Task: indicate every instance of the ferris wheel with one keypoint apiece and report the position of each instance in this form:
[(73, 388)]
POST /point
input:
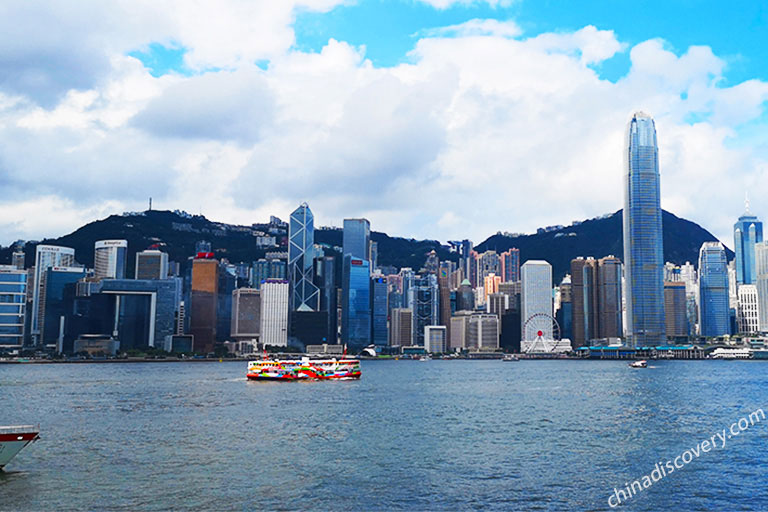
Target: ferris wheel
[(541, 326)]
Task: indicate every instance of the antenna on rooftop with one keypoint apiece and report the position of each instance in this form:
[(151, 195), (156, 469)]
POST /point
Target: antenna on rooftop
[(150, 204)]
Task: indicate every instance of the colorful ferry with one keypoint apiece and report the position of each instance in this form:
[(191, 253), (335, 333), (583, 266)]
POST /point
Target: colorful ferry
[(13, 439), (304, 369)]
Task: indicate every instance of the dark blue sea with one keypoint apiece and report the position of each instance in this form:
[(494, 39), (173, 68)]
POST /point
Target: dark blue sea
[(438, 435)]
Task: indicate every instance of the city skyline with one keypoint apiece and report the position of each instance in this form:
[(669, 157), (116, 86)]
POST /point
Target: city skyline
[(405, 130)]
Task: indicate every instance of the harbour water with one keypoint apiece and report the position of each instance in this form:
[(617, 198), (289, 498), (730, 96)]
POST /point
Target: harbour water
[(438, 435)]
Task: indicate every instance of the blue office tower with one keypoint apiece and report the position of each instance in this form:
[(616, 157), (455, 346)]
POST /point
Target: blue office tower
[(747, 231), (379, 311), (305, 296), (643, 239), (713, 290), (356, 303), (357, 238)]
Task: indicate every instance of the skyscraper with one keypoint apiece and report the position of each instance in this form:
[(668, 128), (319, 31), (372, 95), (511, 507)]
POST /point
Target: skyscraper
[(675, 309), (46, 256), (713, 290), (13, 282), (204, 295), (151, 264), (357, 236), (401, 330), (510, 265), (536, 294), (356, 303), (643, 239), (304, 294), (274, 313), (379, 311), (761, 279), (747, 231), (246, 313), (423, 300), (109, 259), (609, 297)]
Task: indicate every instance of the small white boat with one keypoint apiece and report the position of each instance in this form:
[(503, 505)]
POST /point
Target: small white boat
[(639, 364), (510, 357), (425, 358)]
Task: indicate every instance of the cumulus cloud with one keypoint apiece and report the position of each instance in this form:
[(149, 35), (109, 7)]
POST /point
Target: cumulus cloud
[(480, 129)]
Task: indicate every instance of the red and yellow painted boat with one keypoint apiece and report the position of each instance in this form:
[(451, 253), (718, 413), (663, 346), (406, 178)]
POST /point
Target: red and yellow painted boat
[(304, 369)]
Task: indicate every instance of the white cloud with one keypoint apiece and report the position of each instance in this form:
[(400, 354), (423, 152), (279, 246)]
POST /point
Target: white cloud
[(445, 4), (481, 130)]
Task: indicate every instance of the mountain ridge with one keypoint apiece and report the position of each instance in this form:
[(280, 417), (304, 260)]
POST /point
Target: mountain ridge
[(177, 232)]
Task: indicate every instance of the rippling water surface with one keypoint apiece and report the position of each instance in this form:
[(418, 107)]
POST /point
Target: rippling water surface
[(439, 435)]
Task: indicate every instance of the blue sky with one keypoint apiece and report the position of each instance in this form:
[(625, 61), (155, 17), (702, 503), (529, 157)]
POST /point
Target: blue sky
[(736, 30), (242, 110)]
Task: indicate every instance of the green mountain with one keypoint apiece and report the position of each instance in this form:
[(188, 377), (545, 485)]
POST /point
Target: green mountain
[(601, 237), (177, 233)]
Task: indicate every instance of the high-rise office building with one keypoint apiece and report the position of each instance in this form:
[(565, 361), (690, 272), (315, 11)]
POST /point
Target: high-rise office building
[(373, 253), (444, 291), (609, 301), (328, 297), (356, 303), (13, 283), (401, 328), (483, 332), (46, 256), (675, 309), (379, 311), (585, 307), (264, 269), (747, 231), (435, 339), (510, 265), (713, 290), (564, 315), (109, 259), (357, 236), (761, 280), (536, 294), (203, 311), (58, 293), (18, 260), (488, 263), (301, 234), (748, 313), (643, 239), (273, 329), (424, 301), (466, 297), (151, 264)]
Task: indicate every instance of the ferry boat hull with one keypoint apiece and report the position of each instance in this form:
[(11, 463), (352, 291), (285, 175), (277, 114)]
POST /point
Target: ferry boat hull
[(304, 369), (13, 440)]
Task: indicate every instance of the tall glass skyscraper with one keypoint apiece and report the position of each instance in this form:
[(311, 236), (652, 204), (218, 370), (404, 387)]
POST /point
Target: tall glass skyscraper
[(713, 290), (305, 296), (643, 239), (357, 237), (356, 303), (747, 231)]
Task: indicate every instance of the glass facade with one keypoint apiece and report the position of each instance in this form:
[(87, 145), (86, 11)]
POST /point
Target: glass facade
[(59, 288), (747, 231), (424, 301), (379, 292), (305, 296), (713, 290), (643, 239), (267, 269), (13, 292), (356, 303), (357, 237)]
